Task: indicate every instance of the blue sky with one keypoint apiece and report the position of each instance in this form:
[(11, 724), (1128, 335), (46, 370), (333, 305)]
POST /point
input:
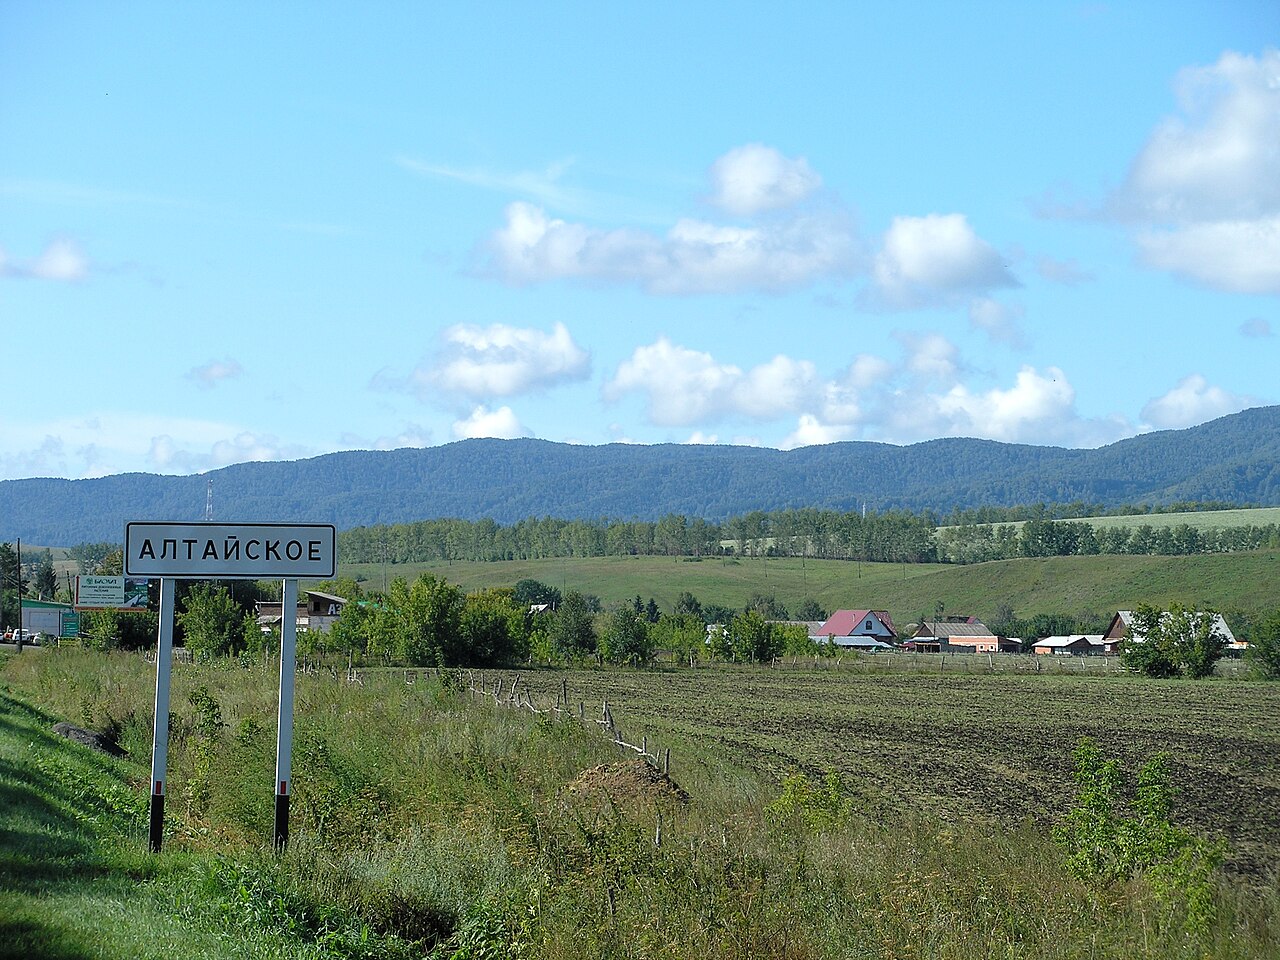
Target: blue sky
[(237, 232)]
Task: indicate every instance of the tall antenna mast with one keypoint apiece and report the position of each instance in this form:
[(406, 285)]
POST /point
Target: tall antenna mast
[(208, 501)]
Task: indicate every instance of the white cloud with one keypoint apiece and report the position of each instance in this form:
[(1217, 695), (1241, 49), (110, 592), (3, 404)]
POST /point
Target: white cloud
[(1193, 400), (693, 257), (1255, 328), (62, 261), (1239, 256), (411, 435), (501, 360), (214, 372), (181, 456), (867, 370), (686, 386), (810, 431), (483, 422), (683, 386), (935, 259), (700, 438), (114, 442), (754, 178), (931, 356), (1207, 183), (1001, 322), (778, 385), (1038, 408), (1220, 159)]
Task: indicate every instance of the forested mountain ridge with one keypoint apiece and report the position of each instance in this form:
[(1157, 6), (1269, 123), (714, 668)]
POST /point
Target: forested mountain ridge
[(1235, 459)]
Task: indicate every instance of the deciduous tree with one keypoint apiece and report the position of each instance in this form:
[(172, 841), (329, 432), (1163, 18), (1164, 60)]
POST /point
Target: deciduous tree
[(625, 638), (571, 630), (212, 622)]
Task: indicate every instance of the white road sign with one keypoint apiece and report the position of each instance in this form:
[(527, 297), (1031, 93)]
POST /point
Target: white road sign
[(230, 551)]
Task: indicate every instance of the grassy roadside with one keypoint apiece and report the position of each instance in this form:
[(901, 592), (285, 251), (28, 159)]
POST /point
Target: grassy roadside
[(74, 880), (429, 823)]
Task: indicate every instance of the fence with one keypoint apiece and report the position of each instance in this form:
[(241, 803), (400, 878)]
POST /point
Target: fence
[(517, 694)]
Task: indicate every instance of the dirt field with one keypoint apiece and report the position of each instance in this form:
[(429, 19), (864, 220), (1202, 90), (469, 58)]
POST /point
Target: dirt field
[(950, 746)]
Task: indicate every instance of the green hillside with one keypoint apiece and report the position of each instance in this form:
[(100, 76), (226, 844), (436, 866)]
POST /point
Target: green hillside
[(1240, 582)]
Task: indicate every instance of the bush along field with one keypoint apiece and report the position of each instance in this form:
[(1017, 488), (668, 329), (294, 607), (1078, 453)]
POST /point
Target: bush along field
[(431, 822)]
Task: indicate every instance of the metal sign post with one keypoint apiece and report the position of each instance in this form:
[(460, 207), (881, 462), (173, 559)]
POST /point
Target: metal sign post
[(160, 737), (284, 727), (228, 551)]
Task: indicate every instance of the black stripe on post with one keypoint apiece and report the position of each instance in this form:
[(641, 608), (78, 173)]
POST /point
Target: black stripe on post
[(282, 821), (157, 821)]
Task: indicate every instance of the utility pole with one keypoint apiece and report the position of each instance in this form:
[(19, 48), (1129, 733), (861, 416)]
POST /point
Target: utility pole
[(19, 569)]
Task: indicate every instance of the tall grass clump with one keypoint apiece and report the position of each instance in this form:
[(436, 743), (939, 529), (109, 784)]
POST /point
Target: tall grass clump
[(428, 823)]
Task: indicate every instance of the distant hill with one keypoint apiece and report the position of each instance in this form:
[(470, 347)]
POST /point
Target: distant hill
[(1235, 459)]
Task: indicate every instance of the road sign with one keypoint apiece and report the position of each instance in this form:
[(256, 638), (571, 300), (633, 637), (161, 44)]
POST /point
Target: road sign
[(230, 551), (227, 551)]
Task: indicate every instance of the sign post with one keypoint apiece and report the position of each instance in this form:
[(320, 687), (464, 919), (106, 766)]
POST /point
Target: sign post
[(228, 551), (160, 736), (284, 727)]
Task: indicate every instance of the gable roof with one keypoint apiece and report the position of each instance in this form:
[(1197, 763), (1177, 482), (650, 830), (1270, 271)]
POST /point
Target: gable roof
[(1126, 617), (845, 623), (972, 628), (1094, 639)]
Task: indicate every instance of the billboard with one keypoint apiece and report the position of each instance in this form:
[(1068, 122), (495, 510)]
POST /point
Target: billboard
[(105, 593)]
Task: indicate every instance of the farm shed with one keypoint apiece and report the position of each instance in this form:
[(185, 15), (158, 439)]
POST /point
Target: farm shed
[(43, 616)]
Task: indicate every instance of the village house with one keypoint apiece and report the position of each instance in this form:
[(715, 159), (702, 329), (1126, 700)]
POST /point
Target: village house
[(316, 611), (960, 635), (856, 630), (1121, 628)]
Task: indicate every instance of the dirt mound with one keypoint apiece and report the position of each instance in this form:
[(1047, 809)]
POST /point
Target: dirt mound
[(94, 741), (628, 781)]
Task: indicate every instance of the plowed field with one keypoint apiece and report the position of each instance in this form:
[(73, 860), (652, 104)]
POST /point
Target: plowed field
[(951, 746)]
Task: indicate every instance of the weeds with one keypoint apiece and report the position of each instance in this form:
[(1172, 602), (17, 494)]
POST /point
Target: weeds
[(429, 824), (1110, 837)]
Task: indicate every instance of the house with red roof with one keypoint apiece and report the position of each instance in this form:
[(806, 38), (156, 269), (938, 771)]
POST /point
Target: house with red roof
[(867, 629)]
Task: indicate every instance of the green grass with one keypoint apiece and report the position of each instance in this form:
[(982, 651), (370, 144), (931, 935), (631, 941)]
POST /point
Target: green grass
[(426, 819), (956, 741), (1097, 585)]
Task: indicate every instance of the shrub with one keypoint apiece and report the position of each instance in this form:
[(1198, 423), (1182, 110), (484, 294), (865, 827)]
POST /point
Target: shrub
[(817, 807), (1264, 648), (1110, 838)]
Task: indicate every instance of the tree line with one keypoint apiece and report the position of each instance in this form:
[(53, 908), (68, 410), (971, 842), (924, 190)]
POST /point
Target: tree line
[(891, 537)]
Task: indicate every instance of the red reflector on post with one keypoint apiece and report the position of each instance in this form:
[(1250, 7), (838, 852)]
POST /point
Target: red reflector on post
[(159, 788), (284, 787)]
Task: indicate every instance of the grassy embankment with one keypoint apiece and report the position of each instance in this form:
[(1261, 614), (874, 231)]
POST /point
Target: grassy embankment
[(1097, 585), (425, 816)]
